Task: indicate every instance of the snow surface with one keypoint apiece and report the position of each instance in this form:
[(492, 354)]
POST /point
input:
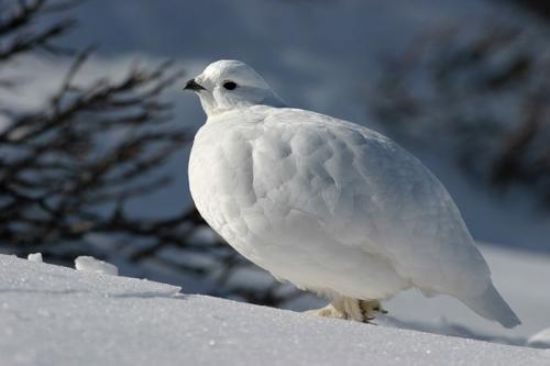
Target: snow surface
[(53, 315)]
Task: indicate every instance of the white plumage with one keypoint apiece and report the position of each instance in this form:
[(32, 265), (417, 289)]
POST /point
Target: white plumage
[(331, 206)]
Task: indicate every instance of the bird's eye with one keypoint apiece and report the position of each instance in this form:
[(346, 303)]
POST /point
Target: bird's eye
[(229, 85)]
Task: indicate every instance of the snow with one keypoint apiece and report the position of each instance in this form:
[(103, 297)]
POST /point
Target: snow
[(35, 257), (91, 264), (540, 340), (57, 316)]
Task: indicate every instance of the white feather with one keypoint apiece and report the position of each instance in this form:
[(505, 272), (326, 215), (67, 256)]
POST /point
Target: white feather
[(332, 207)]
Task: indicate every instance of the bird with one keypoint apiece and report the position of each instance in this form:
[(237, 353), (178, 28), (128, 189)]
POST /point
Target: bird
[(333, 207)]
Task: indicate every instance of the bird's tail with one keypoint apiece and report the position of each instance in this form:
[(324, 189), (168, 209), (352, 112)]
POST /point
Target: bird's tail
[(492, 306)]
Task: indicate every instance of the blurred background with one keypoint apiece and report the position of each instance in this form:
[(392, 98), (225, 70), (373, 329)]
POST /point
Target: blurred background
[(95, 129)]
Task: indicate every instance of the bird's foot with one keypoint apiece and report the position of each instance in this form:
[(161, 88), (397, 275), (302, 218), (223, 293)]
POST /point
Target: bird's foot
[(371, 307), (351, 309)]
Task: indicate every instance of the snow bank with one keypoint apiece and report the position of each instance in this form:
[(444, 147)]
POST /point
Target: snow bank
[(57, 316)]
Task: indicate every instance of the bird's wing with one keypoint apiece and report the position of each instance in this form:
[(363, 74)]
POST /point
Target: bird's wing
[(367, 192)]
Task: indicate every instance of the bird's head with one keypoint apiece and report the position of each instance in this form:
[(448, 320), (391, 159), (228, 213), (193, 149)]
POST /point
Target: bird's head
[(228, 84)]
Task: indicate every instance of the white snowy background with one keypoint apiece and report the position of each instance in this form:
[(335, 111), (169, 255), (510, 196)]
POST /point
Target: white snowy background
[(318, 57)]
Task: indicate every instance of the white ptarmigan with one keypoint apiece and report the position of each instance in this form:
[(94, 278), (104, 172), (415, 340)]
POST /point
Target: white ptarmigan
[(328, 205)]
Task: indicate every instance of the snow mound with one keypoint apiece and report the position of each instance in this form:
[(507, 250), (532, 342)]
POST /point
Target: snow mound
[(57, 316), (540, 340), (35, 257), (91, 264)]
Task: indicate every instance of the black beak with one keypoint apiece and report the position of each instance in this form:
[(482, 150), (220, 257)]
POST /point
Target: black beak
[(193, 85)]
